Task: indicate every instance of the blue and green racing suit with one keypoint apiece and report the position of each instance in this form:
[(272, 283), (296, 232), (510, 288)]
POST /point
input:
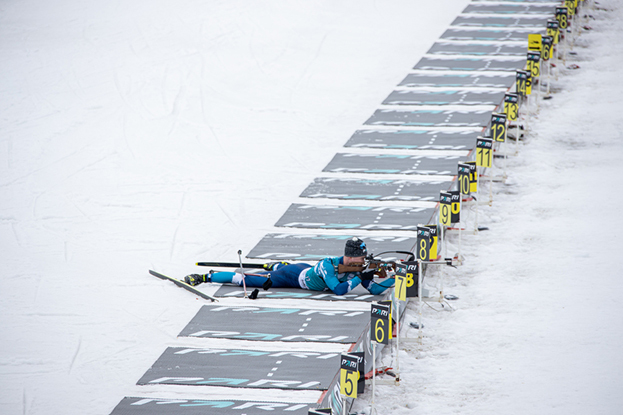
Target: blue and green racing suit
[(323, 276)]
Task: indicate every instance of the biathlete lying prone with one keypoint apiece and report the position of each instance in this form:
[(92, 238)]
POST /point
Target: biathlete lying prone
[(320, 277)]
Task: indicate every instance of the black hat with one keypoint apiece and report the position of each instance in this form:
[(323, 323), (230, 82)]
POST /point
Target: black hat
[(355, 247)]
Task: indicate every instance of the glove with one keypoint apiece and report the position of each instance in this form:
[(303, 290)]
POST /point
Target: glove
[(367, 274)]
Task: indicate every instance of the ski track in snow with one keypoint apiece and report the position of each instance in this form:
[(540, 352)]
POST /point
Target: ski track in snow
[(152, 135)]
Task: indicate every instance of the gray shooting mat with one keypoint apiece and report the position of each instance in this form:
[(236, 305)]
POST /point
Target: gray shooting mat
[(430, 118), (243, 368), (358, 294), (394, 164), (510, 8), (464, 48), (277, 324), (414, 139), (455, 33), (476, 79), (314, 247), (155, 406), (472, 64), (475, 20), (355, 217), (366, 189), (456, 97)]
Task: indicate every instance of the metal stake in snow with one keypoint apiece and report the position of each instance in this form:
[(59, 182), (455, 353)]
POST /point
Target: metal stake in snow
[(445, 255), (521, 80), (491, 185), (460, 224), (244, 284), (498, 132), (505, 153), (533, 67), (477, 200), (484, 160), (400, 294), (535, 48), (517, 134), (463, 184), (562, 15), (553, 30), (548, 45), (397, 306), (372, 405), (420, 300), (380, 326), (528, 93), (511, 109)]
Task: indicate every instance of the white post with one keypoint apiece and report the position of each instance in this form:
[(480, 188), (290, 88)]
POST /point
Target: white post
[(397, 338), (443, 239), (527, 114), (519, 100), (460, 222), (538, 91), (556, 46), (518, 134), (548, 72), (564, 48), (477, 199), (491, 183), (505, 145), (373, 409), (421, 301), (445, 255)]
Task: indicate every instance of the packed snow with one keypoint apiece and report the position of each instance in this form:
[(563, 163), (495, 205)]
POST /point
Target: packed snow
[(140, 135)]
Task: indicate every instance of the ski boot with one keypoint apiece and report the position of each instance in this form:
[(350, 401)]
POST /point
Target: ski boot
[(196, 279)]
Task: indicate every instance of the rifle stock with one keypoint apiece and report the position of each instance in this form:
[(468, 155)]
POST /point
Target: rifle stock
[(380, 268), (341, 268)]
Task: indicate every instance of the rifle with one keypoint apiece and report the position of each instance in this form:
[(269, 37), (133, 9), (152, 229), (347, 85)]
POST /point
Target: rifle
[(379, 265)]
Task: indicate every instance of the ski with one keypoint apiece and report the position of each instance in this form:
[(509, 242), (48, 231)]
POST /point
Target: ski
[(231, 264), (183, 285), (369, 258)]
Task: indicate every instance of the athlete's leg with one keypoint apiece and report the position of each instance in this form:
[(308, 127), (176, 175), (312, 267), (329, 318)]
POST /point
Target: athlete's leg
[(236, 278), (287, 276)]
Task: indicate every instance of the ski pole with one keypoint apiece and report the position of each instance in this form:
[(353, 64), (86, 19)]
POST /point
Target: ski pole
[(244, 284)]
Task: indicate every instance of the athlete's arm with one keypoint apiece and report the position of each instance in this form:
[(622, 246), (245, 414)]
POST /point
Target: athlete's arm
[(327, 271)]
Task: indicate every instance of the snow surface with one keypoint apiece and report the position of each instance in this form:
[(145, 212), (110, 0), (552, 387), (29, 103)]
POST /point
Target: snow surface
[(137, 135), (538, 328)]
